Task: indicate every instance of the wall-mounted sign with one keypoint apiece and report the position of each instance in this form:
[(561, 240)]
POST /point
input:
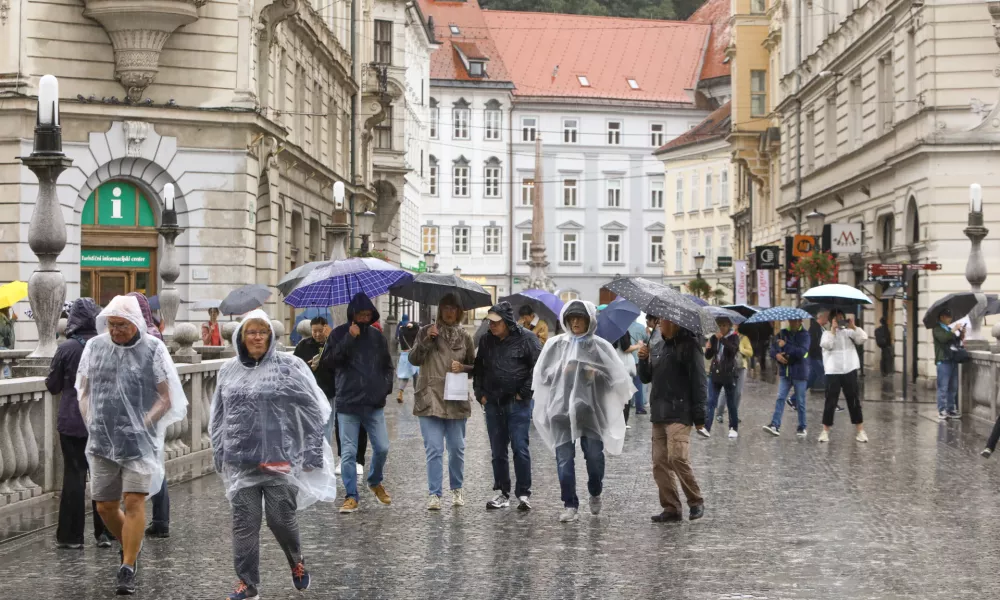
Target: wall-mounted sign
[(763, 288), (803, 245), (845, 238), (724, 261), (767, 258), (122, 259)]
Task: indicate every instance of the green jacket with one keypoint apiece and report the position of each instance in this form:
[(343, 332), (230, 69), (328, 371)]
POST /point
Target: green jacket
[(944, 338), (6, 333)]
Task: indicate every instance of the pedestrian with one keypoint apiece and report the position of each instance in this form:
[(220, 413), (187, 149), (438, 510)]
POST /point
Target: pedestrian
[(639, 335), (883, 339), (211, 332), (7, 338), (817, 381), (359, 357), (790, 349), (624, 348), (841, 364), (723, 350), (267, 421), (991, 443), (406, 337), (530, 321), (502, 385), (443, 350), (675, 370), (309, 349), (129, 394), (80, 328), (946, 339), (742, 364)]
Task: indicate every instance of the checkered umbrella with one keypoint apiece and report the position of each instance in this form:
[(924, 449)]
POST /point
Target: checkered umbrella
[(779, 313), (293, 278), (663, 302), (337, 282)]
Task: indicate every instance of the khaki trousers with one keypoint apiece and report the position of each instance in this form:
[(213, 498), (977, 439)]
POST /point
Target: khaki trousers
[(671, 454)]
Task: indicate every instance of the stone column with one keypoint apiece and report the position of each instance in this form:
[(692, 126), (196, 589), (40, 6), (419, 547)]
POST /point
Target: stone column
[(975, 271), (170, 270), (340, 231)]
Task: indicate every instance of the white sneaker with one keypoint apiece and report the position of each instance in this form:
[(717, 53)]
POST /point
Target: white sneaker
[(569, 515), (434, 502), (733, 434), (360, 469), (595, 505), (501, 500), (627, 426), (862, 436), (523, 504), (703, 432), (336, 470), (457, 497), (824, 436)]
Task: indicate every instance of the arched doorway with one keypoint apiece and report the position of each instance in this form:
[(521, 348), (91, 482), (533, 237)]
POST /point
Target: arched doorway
[(118, 243)]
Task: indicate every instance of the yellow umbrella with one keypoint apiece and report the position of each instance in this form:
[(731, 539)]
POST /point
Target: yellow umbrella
[(12, 293)]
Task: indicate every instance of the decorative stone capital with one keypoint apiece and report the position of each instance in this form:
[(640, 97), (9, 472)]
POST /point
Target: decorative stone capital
[(135, 135)]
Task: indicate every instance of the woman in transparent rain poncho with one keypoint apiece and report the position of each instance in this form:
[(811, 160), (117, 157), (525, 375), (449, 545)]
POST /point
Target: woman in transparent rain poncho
[(580, 387), (129, 394), (267, 428)]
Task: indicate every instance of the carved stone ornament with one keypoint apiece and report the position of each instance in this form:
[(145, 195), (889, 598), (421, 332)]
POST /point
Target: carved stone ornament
[(994, 7), (135, 135), (4, 10), (273, 14), (138, 29)]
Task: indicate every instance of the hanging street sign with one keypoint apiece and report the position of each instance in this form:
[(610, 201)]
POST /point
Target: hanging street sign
[(767, 258), (724, 261)]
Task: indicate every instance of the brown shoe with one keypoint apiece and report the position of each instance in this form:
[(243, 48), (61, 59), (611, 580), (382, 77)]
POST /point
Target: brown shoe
[(350, 505), (381, 494), (399, 398)]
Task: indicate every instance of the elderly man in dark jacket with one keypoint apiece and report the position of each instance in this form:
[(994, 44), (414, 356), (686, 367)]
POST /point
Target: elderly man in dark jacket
[(80, 327), (502, 382), (359, 355)]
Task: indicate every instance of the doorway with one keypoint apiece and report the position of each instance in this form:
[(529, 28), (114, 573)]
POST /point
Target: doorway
[(104, 284)]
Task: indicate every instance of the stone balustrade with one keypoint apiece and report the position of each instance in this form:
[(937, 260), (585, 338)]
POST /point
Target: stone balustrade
[(9, 358), (979, 388)]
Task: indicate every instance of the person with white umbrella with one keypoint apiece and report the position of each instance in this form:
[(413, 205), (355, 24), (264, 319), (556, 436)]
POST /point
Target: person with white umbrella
[(841, 364)]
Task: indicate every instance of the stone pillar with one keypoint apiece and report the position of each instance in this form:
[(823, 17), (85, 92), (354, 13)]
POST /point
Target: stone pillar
[(975, 273), (340, 232), (170, 270), (185, 335)]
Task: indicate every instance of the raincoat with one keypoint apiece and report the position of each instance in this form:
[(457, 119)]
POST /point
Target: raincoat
[(147, 315), (129, 394), (267, 423), (580, 386), (363, 366), (80, 328), (434, 356)]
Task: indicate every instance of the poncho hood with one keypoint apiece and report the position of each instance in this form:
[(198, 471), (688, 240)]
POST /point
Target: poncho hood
[(241, 347), (359, 303), (577, 307), (125, 307), (147, 315)]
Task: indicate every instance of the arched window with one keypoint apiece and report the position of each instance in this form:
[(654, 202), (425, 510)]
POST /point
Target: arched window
[(567, 295), (117, 204), (912, 222), (887, 233)]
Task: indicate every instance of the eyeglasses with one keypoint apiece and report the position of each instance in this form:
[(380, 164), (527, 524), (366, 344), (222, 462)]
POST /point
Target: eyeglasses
[(257, 334), (119, 326)]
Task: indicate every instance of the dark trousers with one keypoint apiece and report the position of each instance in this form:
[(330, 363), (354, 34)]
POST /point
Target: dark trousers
[(849, 383), (994, 436), (161, 505), (628, 409), (72, 504), (593, 453), (508, 424), (278, 503), (362, 439), (888, 362)]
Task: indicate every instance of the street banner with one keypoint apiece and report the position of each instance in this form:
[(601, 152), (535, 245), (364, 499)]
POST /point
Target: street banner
[(764, 289), (803, 245), (845, 238), (793, 285), (741, 282)]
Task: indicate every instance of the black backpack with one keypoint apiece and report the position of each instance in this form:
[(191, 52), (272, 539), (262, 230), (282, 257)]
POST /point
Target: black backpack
[(723, 369)]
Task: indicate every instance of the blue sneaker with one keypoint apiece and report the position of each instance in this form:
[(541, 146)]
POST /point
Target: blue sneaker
[(244, 592), (300, 577)]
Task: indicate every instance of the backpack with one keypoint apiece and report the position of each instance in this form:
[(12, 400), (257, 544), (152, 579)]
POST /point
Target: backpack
[(882, 337), (723, 368)]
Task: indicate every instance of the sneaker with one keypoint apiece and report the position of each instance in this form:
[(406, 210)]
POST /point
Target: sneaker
[(641, 412), (126, 581), (244, 592), (801, 433), (953, 414), (457, 497), (862, 436), (733, 434), (773, 430), (350, 505), (595, 505), (627, 426), (381, 494), (300, 577), (986, 453), (569, 515), (667, 517), (696, 512), (791, 402), (336, 470), (434, 502), (523, 504), (840, 408), (359, 469), (703, 432), (824, 436), (158, 531), (68, 546), (942, 415), (104, 541), (718, 419), (501, 500), (399, 397)]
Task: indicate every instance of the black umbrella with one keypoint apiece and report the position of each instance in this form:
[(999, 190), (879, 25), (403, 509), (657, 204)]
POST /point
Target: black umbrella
[(243, 300), (430, 288), (545, 305), (960, 304), (664, 303), (744, 309), (992, 304), (293, 278)]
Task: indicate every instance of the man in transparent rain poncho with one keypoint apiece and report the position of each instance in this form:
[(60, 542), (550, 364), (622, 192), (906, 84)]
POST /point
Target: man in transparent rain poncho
[(580, 388), (129, 394), (267, 428)]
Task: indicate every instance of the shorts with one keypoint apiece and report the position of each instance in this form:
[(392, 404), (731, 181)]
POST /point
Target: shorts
[(109, 480)]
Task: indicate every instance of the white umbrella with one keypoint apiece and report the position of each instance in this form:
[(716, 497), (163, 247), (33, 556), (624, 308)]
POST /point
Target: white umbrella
[(836, 294)]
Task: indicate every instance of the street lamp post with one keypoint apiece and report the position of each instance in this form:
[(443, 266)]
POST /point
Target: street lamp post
[(816, 221), (975, 268), (699, 262), (365, 222), (458, 272), (170, 270), (429, 262)]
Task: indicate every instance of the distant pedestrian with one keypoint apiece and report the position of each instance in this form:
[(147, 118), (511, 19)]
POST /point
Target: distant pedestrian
[(790, 349), (991, 443), (211, 332), (639, 336), (817, 381), (624, 349), (946, 339), (7, 319), (841, 364), (723, 350), (675, 368), (502, 384), (883, 339), (310, 349), (406, 337), (533, 323), (742, 365)]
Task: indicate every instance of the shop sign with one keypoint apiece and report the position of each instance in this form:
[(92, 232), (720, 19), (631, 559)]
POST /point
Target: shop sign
[(121, 259)]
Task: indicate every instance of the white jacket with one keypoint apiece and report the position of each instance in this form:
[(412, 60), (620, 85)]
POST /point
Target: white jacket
[(840, 355)]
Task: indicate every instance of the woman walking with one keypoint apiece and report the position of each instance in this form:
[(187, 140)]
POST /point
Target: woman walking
[(406, 336), (624, 348)]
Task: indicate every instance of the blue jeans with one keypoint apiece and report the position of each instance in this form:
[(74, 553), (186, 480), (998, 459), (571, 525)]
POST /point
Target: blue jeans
[(637, 398), (947, 386), (161, 505), (593, 453), (817, 376), (508, 424), (350, 428), (784, 386), (714, 389), (435, 431)]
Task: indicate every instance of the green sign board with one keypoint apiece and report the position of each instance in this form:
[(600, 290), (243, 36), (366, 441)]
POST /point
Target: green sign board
[(122, 259), (517, 280), (421, 267), (725, 261)]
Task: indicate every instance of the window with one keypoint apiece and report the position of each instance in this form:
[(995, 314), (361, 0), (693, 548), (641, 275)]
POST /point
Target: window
[(494, 121), (383, 42), (460, 181), (724, 244), (694, 190), (911, 70), (569, 242), (460, 240), (830, 130), (569, 192), (808, 149), (693, 248), (758, 93), (584, 82), (429, 239), (529, 127), (613, 248), (757, 7), (492, 177), (460, 118), (568, 295), (527, 191), (656, 135), (570, 127), (525, 246), (614, 193), (435, 117), (709, 198), (724, 188), (854, 110), (655, 249), (656, 194), (491, 240), (614, 133), (477, 68), (632, 83), (678, 254), (432, 182), (383, 132), (709, 252), (454, 29), (886, 93), (679, 202)]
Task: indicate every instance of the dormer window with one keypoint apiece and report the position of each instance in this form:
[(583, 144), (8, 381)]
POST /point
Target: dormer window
[(632, 83), (477, 68), (454, 29), (584, 82)]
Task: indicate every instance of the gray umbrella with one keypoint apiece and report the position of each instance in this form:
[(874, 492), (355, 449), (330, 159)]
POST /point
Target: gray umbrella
[(293, 278), (959, 303), (664, 303), (722, 313), (205, 304), (243, 300), (430, 288)]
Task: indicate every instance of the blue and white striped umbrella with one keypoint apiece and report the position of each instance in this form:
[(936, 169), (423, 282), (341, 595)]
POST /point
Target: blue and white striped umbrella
[(779, 313), (337, 282)]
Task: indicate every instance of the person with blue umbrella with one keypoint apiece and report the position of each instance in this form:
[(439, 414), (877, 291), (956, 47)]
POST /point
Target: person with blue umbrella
[(790, 349)]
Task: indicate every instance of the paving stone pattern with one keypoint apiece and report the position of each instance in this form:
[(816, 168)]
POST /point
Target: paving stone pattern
[(912, 514)]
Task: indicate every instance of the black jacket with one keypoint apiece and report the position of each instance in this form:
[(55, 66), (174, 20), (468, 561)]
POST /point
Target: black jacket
[(815, 335), (362, 366), (80, 327), (306, 350), (504, 368), (676, 370)]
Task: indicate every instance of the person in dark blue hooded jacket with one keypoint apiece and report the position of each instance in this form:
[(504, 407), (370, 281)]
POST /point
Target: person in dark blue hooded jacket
[(359, 355)]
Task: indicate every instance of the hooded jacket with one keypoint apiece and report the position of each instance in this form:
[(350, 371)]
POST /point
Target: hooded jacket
[(80, 328), (307, 349), (796, 350), (503, 368), (6, 332), (434, 357), (147, 315), (676, 370), (362, 366)]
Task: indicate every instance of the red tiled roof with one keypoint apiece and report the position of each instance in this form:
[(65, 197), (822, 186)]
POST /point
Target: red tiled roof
[(664, 57), (715, 126), (473, 33), (716, 14)]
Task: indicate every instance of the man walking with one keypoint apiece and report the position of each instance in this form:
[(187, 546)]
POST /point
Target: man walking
[(790, 349), (502, 384), (309, 350), (639, 335), (883, 339), (841, 363), (530, 321)]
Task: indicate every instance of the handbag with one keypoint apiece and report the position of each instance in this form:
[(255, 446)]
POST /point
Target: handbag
[(959, 355)]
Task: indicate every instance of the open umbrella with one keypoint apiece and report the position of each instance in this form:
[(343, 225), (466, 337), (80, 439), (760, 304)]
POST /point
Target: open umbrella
[(696, 299), (992, 304), (614, 320), (722, 313), (243, 300), (664, 303), (430, 288), (154, 302), (12, 293), (743, 309), (293, 278), (960, 304), (778, 313), (206, 304), (546, 305), (336, 282), (836, 295)]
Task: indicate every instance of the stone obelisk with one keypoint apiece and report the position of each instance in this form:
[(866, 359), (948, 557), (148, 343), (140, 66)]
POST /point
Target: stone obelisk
[(539, 279)]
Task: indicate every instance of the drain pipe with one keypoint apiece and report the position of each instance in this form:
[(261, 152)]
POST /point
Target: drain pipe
[(354, 112)]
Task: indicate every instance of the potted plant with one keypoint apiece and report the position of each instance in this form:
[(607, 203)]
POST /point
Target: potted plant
[(700, 288), (816, 269)]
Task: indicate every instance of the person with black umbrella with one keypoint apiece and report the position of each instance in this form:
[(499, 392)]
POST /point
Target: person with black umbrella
[(945, 339)]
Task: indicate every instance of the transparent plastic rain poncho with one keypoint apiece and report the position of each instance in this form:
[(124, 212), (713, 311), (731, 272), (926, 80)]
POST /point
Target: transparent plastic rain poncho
[(129, 394), (268, 420), (580, 387)]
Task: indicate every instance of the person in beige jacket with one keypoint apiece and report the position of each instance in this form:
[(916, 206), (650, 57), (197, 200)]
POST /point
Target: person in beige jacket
[(443, 348)]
